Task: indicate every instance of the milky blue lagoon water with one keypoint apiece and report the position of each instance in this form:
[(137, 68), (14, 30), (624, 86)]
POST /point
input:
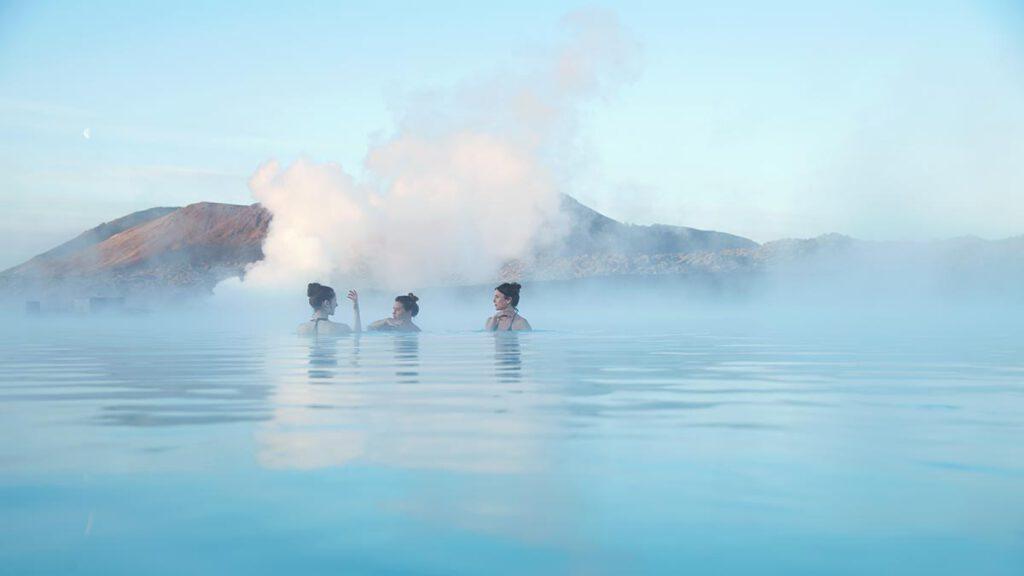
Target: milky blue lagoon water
[(694, 449)]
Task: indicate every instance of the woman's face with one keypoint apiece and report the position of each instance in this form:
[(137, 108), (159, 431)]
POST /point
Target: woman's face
[(330, 305), (398, 312), (501, 302)]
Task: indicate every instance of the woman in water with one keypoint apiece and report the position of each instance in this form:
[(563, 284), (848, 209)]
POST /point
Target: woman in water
[(324, 302), (402, 313), (506, 298)]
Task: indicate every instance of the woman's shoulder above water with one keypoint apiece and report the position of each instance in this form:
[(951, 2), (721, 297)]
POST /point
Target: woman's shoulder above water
[(520, 323), (323, 328), (389, 325), (503, 322)]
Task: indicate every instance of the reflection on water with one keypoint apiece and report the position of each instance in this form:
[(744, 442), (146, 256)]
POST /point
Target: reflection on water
[(508, 357), (324, 351), (379, 415), (354, 357), (407, 357), (518, 453), (323, 357), (138, 381)]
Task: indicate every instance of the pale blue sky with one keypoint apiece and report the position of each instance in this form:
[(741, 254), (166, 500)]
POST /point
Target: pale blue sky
[(794, 119)]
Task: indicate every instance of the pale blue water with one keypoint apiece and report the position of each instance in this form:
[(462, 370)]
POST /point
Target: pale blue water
[(700, 450)]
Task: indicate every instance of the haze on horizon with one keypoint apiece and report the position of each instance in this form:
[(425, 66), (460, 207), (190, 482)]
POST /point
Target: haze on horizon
[(796, 120)]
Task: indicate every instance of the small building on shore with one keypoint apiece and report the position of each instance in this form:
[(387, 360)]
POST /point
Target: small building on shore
[(98, 304)]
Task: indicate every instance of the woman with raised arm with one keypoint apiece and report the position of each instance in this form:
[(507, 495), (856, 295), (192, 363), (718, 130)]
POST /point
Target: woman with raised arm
[(324, 302), (506, 300), (402, 313)]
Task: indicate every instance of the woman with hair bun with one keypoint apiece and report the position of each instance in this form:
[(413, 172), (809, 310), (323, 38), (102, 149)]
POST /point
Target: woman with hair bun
[(402, 313), (324, 302), (506, 300)]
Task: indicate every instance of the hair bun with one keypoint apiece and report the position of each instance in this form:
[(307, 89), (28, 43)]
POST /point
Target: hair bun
[(312, 288), (414, 297), (516, 286)]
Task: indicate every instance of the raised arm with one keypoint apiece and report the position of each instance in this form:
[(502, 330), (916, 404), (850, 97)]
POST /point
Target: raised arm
[(354, 297)]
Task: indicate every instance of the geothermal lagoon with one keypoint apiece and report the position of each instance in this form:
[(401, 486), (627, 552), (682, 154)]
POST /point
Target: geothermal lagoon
[(706, 444)]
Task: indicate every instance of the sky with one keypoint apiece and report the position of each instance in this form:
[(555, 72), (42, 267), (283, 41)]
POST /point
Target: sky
[(881, 120)]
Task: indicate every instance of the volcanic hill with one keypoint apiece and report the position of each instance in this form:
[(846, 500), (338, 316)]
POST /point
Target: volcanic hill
[(175, 251), (187, 251)]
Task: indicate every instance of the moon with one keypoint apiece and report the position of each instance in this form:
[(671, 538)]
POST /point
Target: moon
[(87, 134)]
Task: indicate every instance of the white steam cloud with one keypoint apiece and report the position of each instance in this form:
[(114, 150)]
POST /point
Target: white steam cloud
[(469, 181)]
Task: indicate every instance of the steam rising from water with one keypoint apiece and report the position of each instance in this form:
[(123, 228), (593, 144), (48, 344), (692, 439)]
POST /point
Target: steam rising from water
[(469, 181)]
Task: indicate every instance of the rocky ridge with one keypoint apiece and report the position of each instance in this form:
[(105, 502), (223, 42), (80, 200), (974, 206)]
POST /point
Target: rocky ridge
[(187, 251)]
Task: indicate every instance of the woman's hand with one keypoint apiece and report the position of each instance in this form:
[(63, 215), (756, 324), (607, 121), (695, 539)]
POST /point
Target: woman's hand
[(354, 297)]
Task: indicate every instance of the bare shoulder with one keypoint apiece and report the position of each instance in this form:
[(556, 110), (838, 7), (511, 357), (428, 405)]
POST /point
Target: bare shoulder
[(377, 325), (521, 324), (323, 328), (337, 328)]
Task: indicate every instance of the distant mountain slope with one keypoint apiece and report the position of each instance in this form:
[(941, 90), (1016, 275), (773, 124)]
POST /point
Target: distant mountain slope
[(188, 250), (830, 264), (592, 233), (167, 250), (91, 237), (205, 235)]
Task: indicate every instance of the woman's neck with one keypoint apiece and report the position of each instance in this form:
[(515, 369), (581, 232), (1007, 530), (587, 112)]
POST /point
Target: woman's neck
[(320, 315)]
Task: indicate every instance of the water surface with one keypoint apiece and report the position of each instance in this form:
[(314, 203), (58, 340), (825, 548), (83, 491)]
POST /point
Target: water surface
[(754, 450)]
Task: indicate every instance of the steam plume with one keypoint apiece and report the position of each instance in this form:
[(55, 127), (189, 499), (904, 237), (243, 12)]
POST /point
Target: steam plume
[(470, 179)]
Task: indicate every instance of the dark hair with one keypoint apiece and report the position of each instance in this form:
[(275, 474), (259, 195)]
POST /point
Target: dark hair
[(409, 302), (319, 294), (510, 290)]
